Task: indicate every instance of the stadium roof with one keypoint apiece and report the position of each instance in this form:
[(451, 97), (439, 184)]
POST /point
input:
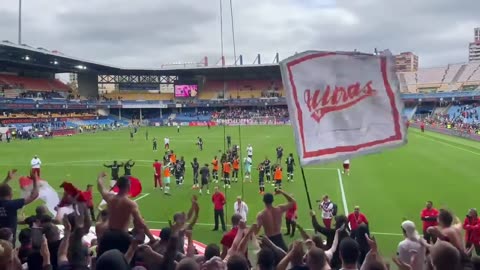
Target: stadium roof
[(25, 57)]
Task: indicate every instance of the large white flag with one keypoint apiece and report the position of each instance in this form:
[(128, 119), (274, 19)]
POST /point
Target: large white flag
[(45, 192), (342, 104)]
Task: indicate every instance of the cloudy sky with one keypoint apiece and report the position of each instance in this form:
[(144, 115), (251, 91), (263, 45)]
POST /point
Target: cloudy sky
[(149, 33)]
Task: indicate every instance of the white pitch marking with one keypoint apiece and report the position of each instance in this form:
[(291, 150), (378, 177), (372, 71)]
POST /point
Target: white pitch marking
[(342, 191), (141, 197), (448, 144)]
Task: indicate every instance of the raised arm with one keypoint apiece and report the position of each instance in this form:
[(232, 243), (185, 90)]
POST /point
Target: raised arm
[(303, 233), (10, 176), (195, 210), (63, 248), (290, 200), (33, 196), (316, 225), (138, 222), (100, 186)]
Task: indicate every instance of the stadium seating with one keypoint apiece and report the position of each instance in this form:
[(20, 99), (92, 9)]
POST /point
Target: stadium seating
[(468, 72), (430, 75), (138, 96), (451, 71), (240, 89), (409, 112), (34, 84)]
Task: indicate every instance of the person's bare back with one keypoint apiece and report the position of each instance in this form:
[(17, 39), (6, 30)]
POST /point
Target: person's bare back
[(121, 211), (271, 220)]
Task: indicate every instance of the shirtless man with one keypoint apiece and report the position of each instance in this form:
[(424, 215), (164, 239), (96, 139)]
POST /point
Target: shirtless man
[(120, 211), (102, 223), (271, 218)]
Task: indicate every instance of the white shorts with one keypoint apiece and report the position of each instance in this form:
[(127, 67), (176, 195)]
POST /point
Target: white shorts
[(166, 180)]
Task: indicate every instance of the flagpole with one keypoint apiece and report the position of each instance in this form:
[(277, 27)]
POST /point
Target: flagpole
[(306, 187)]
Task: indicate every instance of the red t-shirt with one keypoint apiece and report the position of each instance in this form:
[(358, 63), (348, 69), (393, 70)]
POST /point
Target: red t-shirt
[(356, 220), (472, 230), (89, 197), (218, 200), (429, 213), (158, 168), (291, 212), (227, 239)]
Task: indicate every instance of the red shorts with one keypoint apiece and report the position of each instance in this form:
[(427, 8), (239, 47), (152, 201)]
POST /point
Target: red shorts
[(346, 166), (36, 171)]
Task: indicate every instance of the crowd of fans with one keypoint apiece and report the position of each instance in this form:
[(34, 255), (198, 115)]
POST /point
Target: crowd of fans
[(40, 94), (244, 113), (445, 121), (345, 243), (467, 112)]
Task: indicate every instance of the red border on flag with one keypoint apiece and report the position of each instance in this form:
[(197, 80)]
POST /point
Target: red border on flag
[(348, 148)]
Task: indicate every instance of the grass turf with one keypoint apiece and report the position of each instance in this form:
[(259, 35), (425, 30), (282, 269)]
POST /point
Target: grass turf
[(388, 186)]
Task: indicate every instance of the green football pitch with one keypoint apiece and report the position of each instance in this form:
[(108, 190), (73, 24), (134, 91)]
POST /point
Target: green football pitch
[(388, 186)]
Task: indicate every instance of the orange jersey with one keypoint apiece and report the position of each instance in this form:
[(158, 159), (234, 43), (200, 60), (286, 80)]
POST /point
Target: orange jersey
[(166, 172), (236, 164), (215, 164), (226, 167), (278, 174), (173, 158)]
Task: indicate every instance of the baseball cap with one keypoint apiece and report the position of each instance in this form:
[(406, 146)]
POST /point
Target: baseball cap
[(410, 229)]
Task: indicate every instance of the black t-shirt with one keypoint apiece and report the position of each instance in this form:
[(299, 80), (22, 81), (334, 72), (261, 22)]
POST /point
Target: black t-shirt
[(229, 139), (204, 172), (115, 169), (279, 151), (195, 167), (266, 163), (8, 213), (261, 171), (128, 168), (290, 162)]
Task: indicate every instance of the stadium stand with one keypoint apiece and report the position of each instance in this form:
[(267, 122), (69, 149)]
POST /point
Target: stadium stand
[(34, 84), (130, 95)]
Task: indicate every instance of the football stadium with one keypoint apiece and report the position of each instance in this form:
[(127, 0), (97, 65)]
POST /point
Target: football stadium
[(168, 148)]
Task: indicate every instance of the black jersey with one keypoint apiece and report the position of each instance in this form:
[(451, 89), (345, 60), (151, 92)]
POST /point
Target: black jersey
[(205, 172), (279, 151), (115, 168), (290, 162), (195, 167), (261, 172), (180, 167), (154, 143), (267, 163), (128, 168)]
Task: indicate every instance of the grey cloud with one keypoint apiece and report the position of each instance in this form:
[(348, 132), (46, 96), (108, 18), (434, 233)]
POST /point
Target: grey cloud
[(149, 33)]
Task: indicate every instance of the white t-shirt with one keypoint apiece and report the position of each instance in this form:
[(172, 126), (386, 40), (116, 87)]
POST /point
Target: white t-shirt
[(346, 161), (241, 209), (36, 163), (166, 140), (327, 209), (407, 248), (250, 151), (248, 161)]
